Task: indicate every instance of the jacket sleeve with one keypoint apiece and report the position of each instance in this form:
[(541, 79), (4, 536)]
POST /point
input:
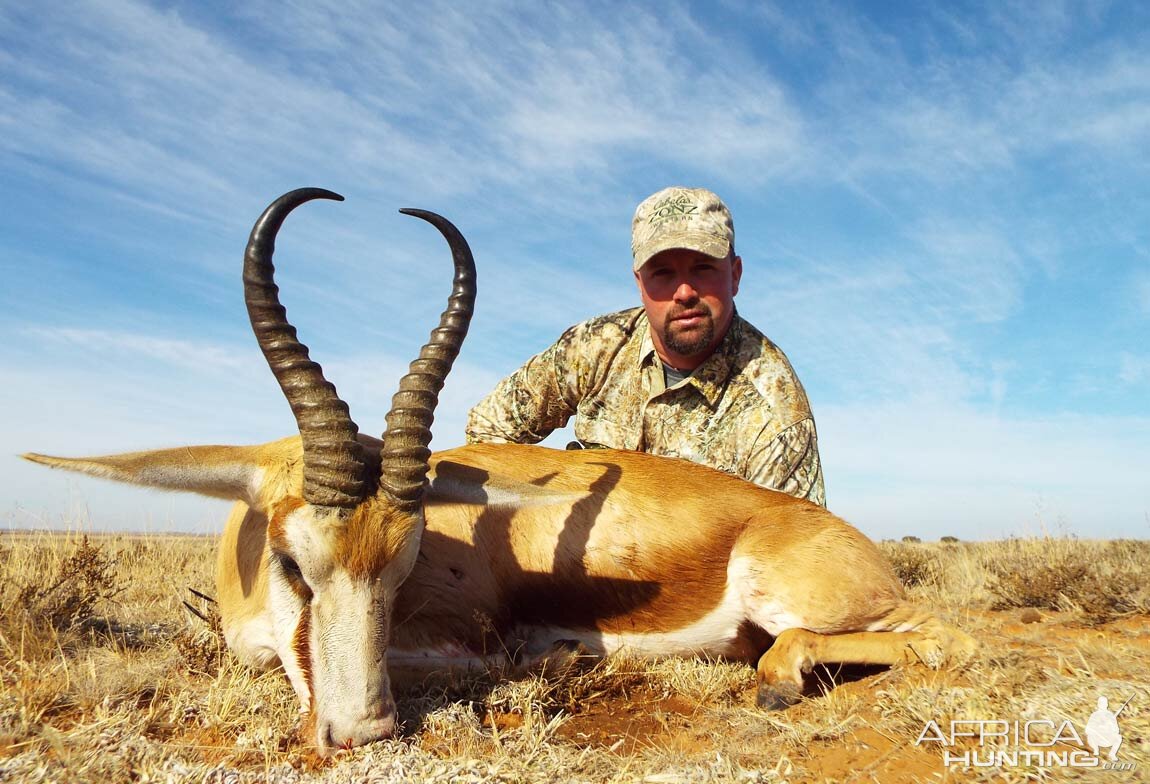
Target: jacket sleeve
[(536, 399), (789, 462)]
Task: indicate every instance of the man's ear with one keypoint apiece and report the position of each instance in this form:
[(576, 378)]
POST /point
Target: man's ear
[(736, 273)]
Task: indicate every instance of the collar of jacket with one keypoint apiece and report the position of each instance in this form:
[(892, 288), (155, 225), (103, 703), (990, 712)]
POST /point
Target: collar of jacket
[(709, 378)]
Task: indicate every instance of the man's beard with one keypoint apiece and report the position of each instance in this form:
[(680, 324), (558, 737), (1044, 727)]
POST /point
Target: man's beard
[(697, 340)]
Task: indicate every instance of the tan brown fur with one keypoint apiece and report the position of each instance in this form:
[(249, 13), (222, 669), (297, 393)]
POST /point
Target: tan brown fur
[(374, 536), (242, 581), (277, 523)]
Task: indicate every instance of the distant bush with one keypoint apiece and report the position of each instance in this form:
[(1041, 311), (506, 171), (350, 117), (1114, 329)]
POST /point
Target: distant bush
[(913, 565), (911, 539), (1102, 583), (81, 582)]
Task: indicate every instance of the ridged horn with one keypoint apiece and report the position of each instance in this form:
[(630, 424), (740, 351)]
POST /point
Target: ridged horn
[(404, 455), (335, 473)]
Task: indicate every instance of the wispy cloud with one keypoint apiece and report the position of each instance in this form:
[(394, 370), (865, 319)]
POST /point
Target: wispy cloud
[(935, 114), (563, 95), (888, 323), (199, 356), (969, 273)]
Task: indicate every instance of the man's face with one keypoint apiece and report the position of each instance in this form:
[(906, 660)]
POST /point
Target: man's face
[(690, 300)]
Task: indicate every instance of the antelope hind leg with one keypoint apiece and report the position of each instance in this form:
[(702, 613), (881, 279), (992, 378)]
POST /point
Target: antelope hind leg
[(796, 651)]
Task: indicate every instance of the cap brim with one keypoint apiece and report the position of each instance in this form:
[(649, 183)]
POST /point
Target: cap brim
[(702, 242)]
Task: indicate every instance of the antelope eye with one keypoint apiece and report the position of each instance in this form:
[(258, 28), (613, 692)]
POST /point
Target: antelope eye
[(294, 576), (289, 567)]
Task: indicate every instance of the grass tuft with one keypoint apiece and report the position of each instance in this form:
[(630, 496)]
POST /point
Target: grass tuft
[(67, 599), (914, 565), (1099, 583)]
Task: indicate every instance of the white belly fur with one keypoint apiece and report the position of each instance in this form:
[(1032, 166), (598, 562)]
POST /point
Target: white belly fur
[(713, 634)]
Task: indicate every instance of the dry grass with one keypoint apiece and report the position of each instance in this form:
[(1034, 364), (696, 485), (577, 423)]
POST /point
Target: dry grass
[(105, 676)]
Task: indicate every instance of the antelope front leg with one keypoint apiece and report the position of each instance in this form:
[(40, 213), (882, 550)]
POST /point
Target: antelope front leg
[(796, 651), (782, 667)]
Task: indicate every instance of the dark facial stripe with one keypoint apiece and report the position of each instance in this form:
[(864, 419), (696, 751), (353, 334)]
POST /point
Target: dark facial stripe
[(301, 646)]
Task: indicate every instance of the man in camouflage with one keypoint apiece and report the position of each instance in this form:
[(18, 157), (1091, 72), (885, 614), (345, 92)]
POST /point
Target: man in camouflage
[(683, 376)]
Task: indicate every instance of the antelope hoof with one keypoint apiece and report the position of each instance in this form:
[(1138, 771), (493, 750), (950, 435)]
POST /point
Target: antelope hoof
[(929, 652), (779, 696)]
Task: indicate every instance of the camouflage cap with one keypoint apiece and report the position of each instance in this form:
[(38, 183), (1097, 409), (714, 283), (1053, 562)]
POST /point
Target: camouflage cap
[(677, 217)]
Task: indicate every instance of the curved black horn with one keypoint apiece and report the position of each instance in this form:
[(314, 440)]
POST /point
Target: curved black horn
[(404, 455), (334, 470)]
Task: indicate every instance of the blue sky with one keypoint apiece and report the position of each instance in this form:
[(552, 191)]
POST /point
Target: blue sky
[(941, 212)]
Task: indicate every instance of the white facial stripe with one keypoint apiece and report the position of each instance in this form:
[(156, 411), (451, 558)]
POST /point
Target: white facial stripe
[(286, 610), (308, 542), (349, 647), (308, 547)]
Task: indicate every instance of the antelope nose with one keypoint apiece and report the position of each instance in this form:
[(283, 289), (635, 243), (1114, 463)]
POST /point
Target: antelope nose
[(337, 733)]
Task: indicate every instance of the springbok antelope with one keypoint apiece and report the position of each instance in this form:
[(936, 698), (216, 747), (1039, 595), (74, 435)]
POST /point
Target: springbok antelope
[(345, 551)]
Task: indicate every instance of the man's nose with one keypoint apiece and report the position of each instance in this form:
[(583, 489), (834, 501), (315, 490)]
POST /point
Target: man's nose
[(685, 293)]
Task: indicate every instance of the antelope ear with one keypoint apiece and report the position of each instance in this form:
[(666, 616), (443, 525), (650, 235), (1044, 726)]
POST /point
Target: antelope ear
[(229, 472)]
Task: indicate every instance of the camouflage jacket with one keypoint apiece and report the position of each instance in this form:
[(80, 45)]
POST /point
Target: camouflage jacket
[(742, 411)]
